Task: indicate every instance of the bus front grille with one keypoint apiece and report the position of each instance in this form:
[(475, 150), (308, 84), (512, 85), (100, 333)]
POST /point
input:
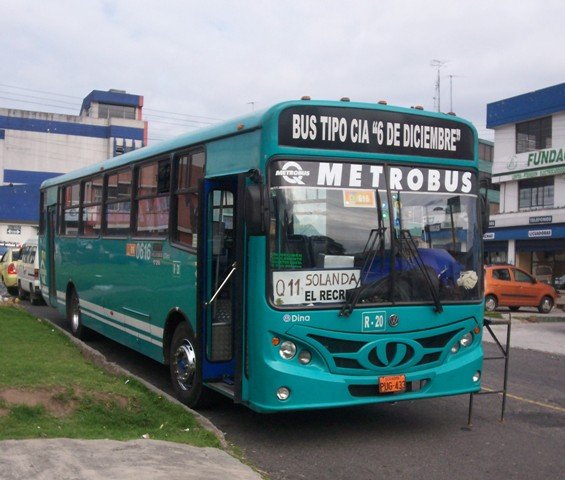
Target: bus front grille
[(384, 352)]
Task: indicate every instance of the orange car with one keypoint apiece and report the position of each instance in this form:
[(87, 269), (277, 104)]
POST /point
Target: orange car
[(508, 286)]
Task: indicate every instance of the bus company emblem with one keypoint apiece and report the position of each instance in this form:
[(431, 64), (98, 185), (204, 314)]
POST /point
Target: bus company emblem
[(292, 173), (393, 320), (288, 318), (390, 353)]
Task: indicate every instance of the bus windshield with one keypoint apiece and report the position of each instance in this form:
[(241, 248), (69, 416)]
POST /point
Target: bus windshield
[(409, 236)]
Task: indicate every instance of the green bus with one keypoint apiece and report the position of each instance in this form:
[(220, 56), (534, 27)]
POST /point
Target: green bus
[(315, 254)]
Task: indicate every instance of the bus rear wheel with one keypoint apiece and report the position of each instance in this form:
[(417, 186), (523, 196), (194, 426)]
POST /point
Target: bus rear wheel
[(74, 317), (186, 368)]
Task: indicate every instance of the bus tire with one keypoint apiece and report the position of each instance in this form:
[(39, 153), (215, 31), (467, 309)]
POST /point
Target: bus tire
[(74, 317), (185, 363)]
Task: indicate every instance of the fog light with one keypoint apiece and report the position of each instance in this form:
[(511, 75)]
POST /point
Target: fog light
[(283, 393), (287, 350), (476, 377), (305, 357), (455, 348), (466, 340)]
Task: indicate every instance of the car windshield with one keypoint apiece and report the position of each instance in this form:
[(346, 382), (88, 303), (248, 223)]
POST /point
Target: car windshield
[(380, 234)]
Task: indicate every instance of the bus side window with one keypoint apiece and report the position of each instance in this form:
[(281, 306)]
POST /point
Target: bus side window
[(152, 198), (189, 171)]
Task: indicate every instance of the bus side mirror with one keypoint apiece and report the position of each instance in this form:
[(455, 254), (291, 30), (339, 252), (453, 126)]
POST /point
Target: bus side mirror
[(485, 211), (256, 209)]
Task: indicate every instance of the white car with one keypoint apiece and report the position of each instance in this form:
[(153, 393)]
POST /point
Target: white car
[(28, 273)]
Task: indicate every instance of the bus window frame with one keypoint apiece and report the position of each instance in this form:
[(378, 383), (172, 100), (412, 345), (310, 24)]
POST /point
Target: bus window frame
[(108, 232), (83, 204), (191, 189), (136, 198), (62, 228)]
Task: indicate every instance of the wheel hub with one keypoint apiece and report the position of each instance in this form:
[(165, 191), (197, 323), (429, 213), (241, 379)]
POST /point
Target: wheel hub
[(185, 365)]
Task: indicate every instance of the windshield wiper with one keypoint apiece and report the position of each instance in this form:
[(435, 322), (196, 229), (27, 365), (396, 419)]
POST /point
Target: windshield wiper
[(375, 235), (407, 241)]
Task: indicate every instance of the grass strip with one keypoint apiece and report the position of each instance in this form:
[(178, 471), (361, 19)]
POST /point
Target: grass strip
[(48, 390)]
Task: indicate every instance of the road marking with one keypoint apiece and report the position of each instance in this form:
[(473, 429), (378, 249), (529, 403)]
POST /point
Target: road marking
[(527, 400)]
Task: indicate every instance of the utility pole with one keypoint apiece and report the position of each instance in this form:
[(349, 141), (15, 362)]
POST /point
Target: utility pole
[(437, 99), (451, 91)]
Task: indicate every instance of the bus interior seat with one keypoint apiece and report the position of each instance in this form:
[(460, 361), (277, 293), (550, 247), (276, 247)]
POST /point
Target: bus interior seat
[(299, 244)]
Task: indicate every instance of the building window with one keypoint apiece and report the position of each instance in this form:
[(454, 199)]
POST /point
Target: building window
[(533, 135), (116, 111), (485, 152), (536, 193)]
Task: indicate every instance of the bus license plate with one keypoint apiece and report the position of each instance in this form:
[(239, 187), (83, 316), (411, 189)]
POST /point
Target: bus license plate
[(392, 384)]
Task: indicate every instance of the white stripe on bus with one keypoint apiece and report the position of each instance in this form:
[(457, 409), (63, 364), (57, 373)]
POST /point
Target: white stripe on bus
[(124, 329), (118, 317)]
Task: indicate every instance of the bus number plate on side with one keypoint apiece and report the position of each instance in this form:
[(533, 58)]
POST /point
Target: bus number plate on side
[(392, 384)]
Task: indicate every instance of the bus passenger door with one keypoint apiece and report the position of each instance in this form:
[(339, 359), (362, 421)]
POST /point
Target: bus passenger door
[(222, 307)]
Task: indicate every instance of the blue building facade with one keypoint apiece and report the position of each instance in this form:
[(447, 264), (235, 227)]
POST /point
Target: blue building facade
[(35, 146), (529, 167)]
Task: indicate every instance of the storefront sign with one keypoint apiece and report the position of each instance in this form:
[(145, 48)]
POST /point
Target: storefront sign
[(540, 163), (14, 229), (541, 219), (489, 236), (539, 233)]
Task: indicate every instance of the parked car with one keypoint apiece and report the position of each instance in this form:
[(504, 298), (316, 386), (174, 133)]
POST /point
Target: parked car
[(560, 282), (543, 273), (28, 273), (9, 269), (509, 286)]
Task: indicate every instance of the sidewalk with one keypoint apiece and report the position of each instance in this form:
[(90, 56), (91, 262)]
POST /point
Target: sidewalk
[(65, 459), (533, 330)]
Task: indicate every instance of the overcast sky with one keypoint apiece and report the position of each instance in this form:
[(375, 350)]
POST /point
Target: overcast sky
[(210, 60)]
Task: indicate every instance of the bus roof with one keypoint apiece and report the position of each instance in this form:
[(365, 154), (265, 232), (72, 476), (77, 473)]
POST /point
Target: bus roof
[(245, 123)]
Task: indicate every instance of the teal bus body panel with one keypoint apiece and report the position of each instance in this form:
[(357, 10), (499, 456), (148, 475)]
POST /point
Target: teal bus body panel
[(233, 155), (321, 384), (128, 296)]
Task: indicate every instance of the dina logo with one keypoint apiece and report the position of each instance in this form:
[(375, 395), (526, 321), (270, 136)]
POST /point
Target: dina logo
[(512, 163), (292, 173)]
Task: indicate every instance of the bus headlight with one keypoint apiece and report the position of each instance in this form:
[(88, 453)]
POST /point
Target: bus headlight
[(287, 350), (304, 357), (466, 340), (455, 348)]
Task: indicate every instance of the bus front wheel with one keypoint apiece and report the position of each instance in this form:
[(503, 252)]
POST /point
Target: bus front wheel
[(186, 369)]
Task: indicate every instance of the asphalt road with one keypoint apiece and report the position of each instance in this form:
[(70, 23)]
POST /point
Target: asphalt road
[(421, 439)]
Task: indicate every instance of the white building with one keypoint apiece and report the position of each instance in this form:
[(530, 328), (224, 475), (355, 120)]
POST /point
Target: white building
[(529, 166), (35, 146)]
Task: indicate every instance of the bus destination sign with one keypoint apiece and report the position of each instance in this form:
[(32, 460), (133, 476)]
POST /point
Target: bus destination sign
[(375, 131)]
